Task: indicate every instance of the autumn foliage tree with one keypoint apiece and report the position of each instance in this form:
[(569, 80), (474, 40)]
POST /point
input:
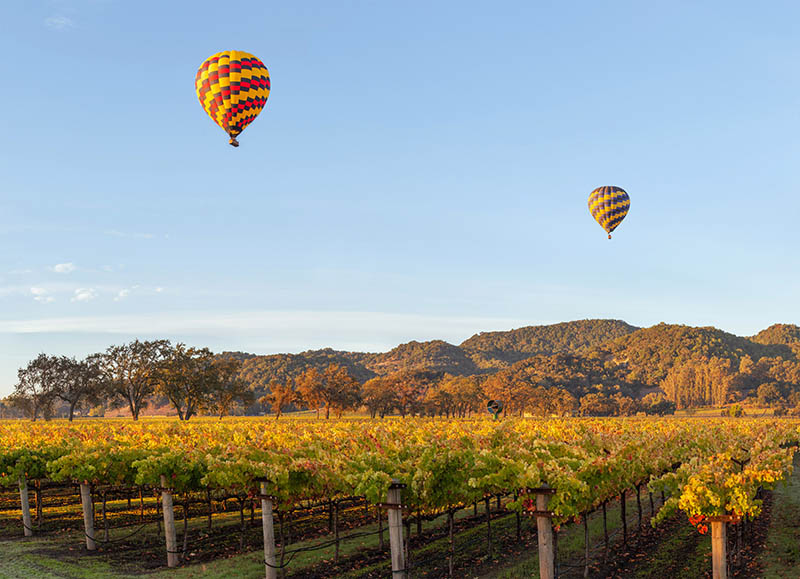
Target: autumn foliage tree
[(699, 382), (130, 372), (379, 395), (310, 388), (227, 387), (410, 389), (36, 389), (334, 389), (188, 377), (464, 394), (344, 390), (598, 404), (280, 395), (48, 379), (79, 381)]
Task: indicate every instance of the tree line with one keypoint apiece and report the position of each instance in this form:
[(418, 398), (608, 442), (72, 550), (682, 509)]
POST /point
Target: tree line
[(193, 380), (652, 370), (690, 366)]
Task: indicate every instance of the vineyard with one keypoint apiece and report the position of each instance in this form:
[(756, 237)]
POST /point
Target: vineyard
[(337, 498)]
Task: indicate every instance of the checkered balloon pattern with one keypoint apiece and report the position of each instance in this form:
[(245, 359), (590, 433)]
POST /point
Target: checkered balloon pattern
[(609, 206), (233, 87)]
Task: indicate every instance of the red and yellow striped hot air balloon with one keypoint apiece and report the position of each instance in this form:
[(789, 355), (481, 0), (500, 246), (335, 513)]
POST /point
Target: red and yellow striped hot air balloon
[(609, 206), (233, 87)]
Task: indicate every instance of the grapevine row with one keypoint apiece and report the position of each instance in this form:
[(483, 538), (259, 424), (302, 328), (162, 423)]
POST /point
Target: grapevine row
[(709, 468)]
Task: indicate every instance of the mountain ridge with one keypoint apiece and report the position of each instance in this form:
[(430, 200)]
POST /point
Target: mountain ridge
[(647, 352)]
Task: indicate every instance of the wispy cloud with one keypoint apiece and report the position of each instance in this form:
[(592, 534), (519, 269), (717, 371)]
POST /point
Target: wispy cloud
[(64, 267), (84, 294), (15, 290), (59, 22), (287, 330), (41, 295), (70, 291), (134, 235)]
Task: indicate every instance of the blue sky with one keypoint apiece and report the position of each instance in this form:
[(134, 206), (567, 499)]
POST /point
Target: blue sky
[(420, 171)]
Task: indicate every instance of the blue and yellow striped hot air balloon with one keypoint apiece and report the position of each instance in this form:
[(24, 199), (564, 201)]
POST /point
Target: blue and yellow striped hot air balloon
[(233, 87), (609, 206)]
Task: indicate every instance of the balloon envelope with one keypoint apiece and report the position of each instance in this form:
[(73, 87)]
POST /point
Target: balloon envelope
[(233, 87), (609, 206)]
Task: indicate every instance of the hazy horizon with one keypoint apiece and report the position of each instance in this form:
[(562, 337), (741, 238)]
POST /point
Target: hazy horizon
[(378, 326)]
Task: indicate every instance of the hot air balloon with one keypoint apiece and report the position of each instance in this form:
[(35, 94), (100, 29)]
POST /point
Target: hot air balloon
[(233, 87), (609, 206), (494, 407)]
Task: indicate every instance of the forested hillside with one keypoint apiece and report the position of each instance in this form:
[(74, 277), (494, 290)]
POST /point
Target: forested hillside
[(590, 367), (650, 353), (435, 356), (261, 370), (787, 334), (483, 353), (691, 366), (493, 350)]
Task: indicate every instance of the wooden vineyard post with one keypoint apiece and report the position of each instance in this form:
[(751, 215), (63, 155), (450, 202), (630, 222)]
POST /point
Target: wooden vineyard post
[(624, 517), (336, 530), (639, 503), (605, 533), (210, 506), (586, 544), (169, 523), (544, 530), (489, 524), (88, 515), (719, 544), (269, 532), (26, 507), (452, 555), (394, 505)]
